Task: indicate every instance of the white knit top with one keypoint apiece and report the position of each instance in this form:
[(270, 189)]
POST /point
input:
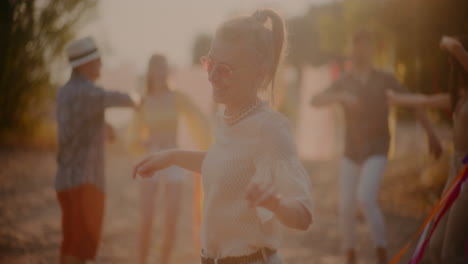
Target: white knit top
[(259, 147)]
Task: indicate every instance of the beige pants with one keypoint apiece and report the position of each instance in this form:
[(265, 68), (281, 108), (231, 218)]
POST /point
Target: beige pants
[(448, 243)]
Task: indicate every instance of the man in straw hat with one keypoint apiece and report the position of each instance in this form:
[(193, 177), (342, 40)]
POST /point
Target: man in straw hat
[(81, 131)]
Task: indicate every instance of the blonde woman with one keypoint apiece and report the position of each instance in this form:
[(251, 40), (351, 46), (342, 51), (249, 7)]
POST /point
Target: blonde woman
[(154, 129), (252, 178)]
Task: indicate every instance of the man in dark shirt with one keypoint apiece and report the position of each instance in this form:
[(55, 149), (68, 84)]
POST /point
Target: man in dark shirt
[(362, 94)]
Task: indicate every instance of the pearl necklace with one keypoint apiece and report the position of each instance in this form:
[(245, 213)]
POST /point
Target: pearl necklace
[(234, 119)]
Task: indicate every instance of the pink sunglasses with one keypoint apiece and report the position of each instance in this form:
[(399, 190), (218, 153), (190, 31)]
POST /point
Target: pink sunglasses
[(224, 70)]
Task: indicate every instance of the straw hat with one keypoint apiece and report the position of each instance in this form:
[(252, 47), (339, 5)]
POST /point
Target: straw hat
[(82, 51)]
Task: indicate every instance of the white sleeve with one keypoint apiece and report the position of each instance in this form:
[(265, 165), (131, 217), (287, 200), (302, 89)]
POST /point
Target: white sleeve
[(277, 161)]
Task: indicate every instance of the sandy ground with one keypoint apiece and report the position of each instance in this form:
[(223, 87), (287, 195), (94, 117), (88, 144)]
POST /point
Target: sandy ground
[(30, 216)]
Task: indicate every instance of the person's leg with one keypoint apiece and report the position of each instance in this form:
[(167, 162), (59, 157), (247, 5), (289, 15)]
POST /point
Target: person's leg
[(65, 206), (347, 208), (92, 215), (172, 194), (148, 191), (83, 213), (371, 176), (70, 207), (456, 233)]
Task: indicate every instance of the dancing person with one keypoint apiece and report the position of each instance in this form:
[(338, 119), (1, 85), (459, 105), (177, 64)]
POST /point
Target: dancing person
[(362, 93), (155, 129), (80, 180), (253, 180), (448, 244)]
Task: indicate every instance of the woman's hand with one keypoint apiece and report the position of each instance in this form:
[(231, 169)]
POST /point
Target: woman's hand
[(289, 212), (152, 163), (263, 194), (137, 100), (449, 44)]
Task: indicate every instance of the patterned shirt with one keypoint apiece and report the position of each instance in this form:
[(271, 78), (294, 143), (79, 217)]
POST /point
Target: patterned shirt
[(80, 117)]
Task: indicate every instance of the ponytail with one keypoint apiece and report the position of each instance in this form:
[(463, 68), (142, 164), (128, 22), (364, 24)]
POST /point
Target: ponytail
[(278, 33), (268, 42)]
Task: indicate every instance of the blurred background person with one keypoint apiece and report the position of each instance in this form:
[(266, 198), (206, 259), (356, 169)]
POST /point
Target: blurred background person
[(449, 242), (79, 181), (362, 93), (155, 128)]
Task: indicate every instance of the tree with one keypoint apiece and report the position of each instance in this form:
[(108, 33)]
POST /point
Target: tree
[(417, 36), (304, 49), (33, 34), (407, 34), (201, 46)]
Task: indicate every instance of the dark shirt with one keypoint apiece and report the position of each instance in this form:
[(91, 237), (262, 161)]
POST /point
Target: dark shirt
[(367, 131)]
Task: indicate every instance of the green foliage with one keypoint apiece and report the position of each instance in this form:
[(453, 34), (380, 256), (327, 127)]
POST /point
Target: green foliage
[(407, 35), (418, 30), (32, 35), (201, 46)]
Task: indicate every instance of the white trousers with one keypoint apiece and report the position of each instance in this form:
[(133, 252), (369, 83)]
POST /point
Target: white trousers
[(359, 186)]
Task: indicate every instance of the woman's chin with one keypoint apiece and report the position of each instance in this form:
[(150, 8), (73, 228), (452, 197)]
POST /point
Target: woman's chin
[(220, 98)]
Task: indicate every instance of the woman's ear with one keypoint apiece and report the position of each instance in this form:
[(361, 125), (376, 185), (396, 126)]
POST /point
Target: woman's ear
[(261, 77)]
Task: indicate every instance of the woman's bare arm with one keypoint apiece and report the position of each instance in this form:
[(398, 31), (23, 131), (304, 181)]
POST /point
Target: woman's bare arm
[(189, 160), (454, 46)]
